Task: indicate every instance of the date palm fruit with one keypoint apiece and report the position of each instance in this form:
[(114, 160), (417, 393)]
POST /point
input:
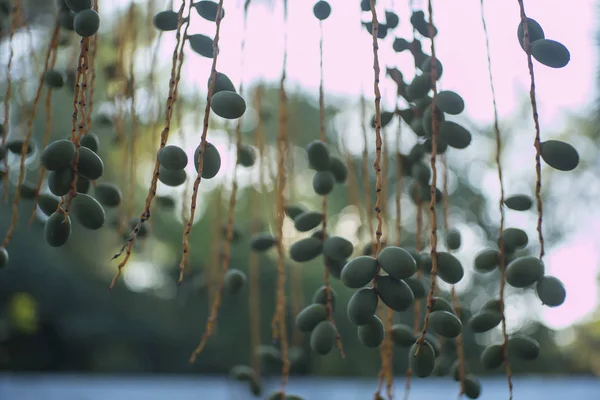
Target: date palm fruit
[(308, 220), (362, 306), (534, 29), (208, 10), (518, 202), (455, 135), (514, 239), (66, 19), (222, 82), (28, 190), (449, 268), (487, 260), (262, 241), (59, 182), (337, 248), (318, 156), (485, 321), (395, 293), (338, 169), (89, 165), (559, 155), (58, 155), (323, 182), (428, 120), (492, 356), (228, 105), (320, 296), (48, 203), (472, 386), (108, 194), (172, 157), (57, 230), (246, 156), (400, 45), (371, 334), (391, 19), (450, 102), (441, 304), (420, 86), (54, 79), (416, 286), (322, 338), (165, 21), (16, 146), (322, 10), (551, 53), (78, 5), (86, 23), (88, 211), (234, 281), (90, 141), (524, 271), (293, 210), (426, 67), (422, 364), (359, 271), (403, 335), (524, 347), (397, 262), (201, 44), (172, 178), (306, 249), (211, 163), (445, 324), (310, 317), (453, 239), (551, 291)]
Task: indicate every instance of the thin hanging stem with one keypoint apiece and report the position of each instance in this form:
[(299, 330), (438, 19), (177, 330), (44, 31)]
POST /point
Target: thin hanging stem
[(434, 142), (502, 258)]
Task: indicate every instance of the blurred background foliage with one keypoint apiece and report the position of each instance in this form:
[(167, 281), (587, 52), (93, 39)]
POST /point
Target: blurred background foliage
[(57, 314)]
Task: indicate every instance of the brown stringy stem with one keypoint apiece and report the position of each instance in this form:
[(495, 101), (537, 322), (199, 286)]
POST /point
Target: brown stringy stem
[(502, 260), (25, 146), (173, 82), (434, 142), (459, 345)]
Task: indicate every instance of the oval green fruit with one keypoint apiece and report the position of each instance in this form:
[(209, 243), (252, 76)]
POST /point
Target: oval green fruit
[(48, 203), (166, 202), (54, 79), (362, 306), (293, 211), (322, 10), (551, 291), (16, 146), (487, 260), (208, 10), (211, 162), (524, 271), (453, 239), (322, 338), (172, 157), (59, 182), (335, 268), (400, 45), (165, 20), (358, 272), (426, 67), (337, 248), (396, 294), (323, 182), (421, 173), (222, 82), (441, 304), (402, 335), (445, 324), (450, 102), (420, 86), (416, 286), (86, 23), (201, 44), (472, 386), (308, 220), (172, 178), (78, 5), (449, 269), (551, 53), (28, 190), (306, 249), (514, 239), (262, 241), (320, 296), (559, 155), (89, 165), (485, 321), (422, 364), (310, 317), (492, 305), (108, 194), (371, 334), (391, 19), (246, 156), (59, 154), (338, 169), (397, 262), (57, 230), (455, 135), (88, 212), (234, 281), (518, 202), (533, 28), (90, 141), (524, 347), (228, 105), (492, 356), (318, 156)]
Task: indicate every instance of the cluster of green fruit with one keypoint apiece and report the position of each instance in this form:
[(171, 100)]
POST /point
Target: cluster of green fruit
[(78, 16), (391, 21), (548, 52)]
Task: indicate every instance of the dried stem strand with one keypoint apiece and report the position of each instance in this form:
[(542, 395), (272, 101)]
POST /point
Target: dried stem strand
[(434, 142), (502, 258)]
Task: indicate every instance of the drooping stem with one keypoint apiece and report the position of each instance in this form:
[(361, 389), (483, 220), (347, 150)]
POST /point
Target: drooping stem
[(434, 143), (502, 258)]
